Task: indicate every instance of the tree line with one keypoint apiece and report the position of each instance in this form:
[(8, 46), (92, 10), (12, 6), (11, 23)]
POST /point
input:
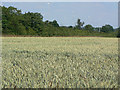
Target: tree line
[(14, 22)]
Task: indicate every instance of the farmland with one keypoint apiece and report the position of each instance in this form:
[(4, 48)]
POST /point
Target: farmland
[(67, 62)]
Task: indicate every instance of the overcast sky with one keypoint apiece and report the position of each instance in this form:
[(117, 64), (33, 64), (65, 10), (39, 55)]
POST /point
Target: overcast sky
[(67, 13)]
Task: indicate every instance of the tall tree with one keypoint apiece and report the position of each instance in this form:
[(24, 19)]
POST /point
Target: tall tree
[(33, 20), (79, 24), (11, 17)]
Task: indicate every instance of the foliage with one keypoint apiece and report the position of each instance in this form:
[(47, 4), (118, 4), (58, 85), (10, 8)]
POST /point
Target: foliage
[(89, 28), (107, 28), (16, 23), (79, 24), (118, 31), (55, 24)]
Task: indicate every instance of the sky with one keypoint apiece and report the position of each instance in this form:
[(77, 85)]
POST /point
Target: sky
[(67, 13)]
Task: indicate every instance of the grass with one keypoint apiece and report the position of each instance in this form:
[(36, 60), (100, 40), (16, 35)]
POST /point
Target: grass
[(68, 62)]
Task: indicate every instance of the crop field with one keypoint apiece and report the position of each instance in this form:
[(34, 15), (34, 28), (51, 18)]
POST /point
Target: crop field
[(59, 62)]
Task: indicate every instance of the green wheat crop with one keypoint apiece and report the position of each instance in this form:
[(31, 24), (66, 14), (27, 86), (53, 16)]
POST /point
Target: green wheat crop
[(68, 62)]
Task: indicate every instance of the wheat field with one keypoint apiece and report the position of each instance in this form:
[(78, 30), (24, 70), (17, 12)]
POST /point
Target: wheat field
[(59, 62)]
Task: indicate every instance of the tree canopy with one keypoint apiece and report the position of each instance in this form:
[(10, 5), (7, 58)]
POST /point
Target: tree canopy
[(107, 28), (89, 27), (14, 22)]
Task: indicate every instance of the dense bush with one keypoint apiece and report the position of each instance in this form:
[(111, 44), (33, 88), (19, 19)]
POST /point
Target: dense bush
[(107, 28)]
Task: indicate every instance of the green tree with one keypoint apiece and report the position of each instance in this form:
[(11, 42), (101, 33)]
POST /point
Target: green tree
[(21, 30), (79, 24), (46, 22), (10, 19), (70, 26), (34, 21), (118, 32), (107, 28), (89, 27), (30, 31), (55, 24), (16, 23)]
